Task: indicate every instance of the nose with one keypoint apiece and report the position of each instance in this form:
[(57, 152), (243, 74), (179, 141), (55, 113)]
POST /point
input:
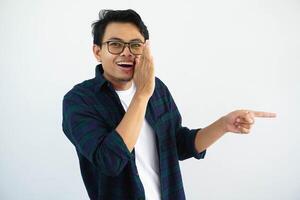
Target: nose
[(126, 51)]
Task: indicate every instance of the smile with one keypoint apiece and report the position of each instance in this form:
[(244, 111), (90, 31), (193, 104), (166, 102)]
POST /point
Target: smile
[(125, 64)]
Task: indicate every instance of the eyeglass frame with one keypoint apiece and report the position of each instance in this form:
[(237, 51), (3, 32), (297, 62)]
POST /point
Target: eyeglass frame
[(126, 44)]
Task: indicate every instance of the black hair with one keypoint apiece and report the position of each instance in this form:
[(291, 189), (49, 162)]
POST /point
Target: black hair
[(108, 16)]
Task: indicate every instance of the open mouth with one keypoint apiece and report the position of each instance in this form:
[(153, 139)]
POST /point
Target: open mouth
[(126, 65)]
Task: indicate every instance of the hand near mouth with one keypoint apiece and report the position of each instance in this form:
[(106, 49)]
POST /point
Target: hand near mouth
[(143, 77)]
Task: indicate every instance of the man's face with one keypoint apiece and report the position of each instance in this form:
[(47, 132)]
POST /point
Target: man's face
[(117, 67)]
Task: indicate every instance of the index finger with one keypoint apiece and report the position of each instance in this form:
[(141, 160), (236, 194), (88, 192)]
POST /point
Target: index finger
[(146, 50), (146, 54), (263, 114)]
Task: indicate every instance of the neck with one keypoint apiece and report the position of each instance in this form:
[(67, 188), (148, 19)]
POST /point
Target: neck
[(119, 84), (122, 86)]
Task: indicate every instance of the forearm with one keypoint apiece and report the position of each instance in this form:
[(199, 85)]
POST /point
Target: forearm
[(130, 126), (208, 135)]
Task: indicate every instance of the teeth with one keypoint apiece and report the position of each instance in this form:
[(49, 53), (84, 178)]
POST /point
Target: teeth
[(125, 63)]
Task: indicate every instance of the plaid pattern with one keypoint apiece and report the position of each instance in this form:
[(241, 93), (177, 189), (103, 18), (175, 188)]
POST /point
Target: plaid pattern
[(91, 112)]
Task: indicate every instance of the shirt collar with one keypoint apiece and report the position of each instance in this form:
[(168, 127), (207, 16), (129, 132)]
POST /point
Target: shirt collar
[(100, 79)]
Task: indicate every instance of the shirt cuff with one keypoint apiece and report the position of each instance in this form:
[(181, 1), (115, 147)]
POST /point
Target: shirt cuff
[(118, 145), (197, 155)]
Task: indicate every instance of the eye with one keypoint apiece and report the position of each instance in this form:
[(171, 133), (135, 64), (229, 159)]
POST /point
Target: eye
[(115, 44), (135, 45)]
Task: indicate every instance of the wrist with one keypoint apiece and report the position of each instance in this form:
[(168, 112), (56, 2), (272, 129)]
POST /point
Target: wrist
[(222, 125), (141, 98)]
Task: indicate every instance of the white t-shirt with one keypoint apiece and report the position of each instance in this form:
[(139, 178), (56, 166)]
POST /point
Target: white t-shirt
[(146, 156)]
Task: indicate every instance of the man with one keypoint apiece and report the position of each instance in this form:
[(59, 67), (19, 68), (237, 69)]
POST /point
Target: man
[(124, 123)]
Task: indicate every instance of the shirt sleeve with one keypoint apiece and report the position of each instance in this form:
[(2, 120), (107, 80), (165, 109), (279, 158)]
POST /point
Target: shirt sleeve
[(185, 140), (185, 137), (105, 149)]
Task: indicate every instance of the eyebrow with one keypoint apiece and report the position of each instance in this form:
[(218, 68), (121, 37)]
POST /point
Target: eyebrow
[(119, 39)]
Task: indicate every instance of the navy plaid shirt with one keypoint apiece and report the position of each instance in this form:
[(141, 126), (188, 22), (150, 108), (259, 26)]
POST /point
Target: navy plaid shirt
[(91, 112)]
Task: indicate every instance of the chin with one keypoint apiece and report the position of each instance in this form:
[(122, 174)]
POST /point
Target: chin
[(125, 79)]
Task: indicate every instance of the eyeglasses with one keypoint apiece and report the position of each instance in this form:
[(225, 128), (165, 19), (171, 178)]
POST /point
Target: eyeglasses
[(117, 47)]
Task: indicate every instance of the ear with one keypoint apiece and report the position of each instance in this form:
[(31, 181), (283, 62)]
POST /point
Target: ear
[(97, 52)]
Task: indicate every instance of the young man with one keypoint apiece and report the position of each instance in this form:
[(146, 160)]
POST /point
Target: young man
[(124, 123)]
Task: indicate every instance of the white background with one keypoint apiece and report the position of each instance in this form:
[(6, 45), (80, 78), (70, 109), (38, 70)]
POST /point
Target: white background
[(215, 57)]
